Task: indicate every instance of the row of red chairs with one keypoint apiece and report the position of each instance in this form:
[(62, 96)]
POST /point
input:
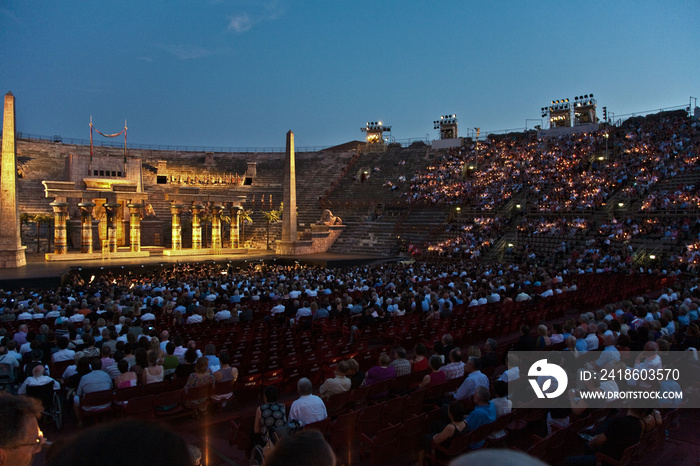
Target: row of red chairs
[(163, 400)]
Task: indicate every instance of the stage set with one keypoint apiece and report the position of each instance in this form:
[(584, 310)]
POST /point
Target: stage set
[(101, 206)]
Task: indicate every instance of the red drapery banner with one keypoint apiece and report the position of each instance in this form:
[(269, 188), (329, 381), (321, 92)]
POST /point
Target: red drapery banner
[(107, 136)]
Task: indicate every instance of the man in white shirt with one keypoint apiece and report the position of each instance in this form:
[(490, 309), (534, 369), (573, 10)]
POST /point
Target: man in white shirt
[(37, 378), (76, 317), (278, 309), (647, 361), (308, 408), (513, 372), (304, 311), (339, 384), (63, 353), (223, 314), (522, 296), (592, 339)]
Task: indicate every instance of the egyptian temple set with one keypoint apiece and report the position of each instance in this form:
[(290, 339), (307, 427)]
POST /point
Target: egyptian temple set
[(114, 202)]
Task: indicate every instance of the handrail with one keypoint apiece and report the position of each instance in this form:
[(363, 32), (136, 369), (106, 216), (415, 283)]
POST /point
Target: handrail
[(220, 149)]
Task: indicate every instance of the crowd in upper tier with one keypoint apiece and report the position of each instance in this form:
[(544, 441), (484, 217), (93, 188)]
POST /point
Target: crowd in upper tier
[(568, 173)]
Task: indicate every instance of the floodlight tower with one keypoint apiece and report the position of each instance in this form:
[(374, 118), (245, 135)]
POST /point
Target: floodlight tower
[(447, 125), (585, 110), (559, 114), (375, 132)]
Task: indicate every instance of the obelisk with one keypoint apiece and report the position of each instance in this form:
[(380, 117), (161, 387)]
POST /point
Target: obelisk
[(11, 249), (289, 214)]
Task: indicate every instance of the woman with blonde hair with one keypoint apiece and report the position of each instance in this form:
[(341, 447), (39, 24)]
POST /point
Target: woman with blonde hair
[(154, 347), (154, 372)]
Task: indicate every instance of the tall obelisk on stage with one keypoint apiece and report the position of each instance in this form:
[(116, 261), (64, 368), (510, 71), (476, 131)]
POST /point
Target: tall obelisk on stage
[(11, 249), (289, 214)]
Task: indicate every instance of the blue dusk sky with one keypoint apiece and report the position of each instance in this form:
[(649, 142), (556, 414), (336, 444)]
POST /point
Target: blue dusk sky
[(240, 73)]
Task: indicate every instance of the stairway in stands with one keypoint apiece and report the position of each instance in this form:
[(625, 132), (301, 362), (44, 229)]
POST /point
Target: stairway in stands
[(369, 209)]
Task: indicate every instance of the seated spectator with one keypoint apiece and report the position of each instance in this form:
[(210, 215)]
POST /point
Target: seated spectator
[(223, 314), (455, 368), (170, 361), (444, 346), (9, 359), (620, 433), (513, 372), (308, 408), (106, 357), (543, 341), (499, 456), (95, 381), (210, 354), (187, 367), (38, 378), (200, 377), (420, 362), (226, 373), (357, 377), (483, 413), (381, 372), (126, 378), (475, 379), (33, 361), (268, 416), (436, 376), (456, 427), (307, 447), (90, 350), (154, 372), (401, 365), (63, 353), (338, 384), (20, 436), (525, 342), (490, 359)]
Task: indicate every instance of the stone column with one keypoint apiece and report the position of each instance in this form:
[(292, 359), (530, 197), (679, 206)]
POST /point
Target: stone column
[(289, 215), (112, 210), (11, 249), (235, 227), (196, 226), (216, 226), (135, 226), (60, 212), (176, 210), (86, 226)]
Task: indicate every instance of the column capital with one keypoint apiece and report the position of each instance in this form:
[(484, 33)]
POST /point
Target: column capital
[(59, 206)]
